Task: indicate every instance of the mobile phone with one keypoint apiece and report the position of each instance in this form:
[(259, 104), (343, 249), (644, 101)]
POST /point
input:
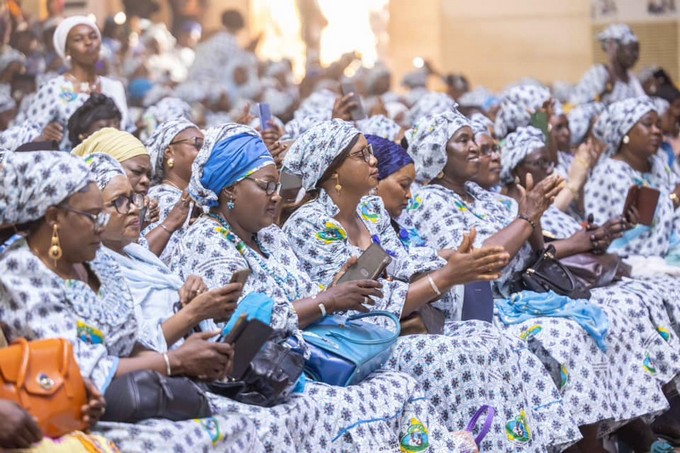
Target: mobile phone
[(240, 276), (265, 115), (248, 341), (645, 200), (540, 121), (369, 266), (358, 112), (290, 187)]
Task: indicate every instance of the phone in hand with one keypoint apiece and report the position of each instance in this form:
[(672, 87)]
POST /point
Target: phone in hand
[(247, 338), (265, 115), (645, 200), (358, 112), (540, 121), (240, 276), (290, 187), (369, 266)]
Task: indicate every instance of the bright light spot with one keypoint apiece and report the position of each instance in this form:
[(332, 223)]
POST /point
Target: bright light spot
[(418, 62), (92, 17), (120, 18)]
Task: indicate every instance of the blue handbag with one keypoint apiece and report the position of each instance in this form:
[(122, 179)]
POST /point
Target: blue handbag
[(344, 350)]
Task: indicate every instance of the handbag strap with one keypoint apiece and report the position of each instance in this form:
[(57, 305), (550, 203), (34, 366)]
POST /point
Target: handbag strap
[(373, 314), (490, 412)]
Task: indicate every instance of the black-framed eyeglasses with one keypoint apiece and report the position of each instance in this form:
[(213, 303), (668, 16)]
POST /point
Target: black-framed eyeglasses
[(544, 164), (99, 220), (123, 203), (488, 150), (269, 187), (196, 142), (365, 153)]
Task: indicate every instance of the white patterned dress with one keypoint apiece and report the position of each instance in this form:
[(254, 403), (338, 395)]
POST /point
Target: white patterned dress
[(596, 385), (167, 197), (475, 364), (36, 303), (376, 414)]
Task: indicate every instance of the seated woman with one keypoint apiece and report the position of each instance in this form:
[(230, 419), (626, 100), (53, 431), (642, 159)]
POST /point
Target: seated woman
[(172, 148), (637, 308), (447, 158), (334, 159), (53, 283), (235, 177), (98, 111)]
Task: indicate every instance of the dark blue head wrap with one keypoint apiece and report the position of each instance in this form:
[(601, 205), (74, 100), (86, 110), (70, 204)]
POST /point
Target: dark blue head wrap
[(391, 156), (228, 162)]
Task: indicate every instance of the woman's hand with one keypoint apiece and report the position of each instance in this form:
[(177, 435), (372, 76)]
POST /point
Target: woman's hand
[(201, 358), (343, 107), (153, 210), (218, 304), (18, 428), (53, 131), (352, 295), (95, 407), (469, 264), (193, 286), (179, 213), (535, 200), (246, 117)]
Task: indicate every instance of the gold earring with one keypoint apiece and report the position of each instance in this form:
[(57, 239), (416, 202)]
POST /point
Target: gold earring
[(338, 187), (171, 162), (626, 139), (55, 249)]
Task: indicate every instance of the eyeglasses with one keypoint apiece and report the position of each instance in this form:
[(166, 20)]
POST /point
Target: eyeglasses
[(269, 187), (99, 220), (365, 153), (123, 203), (196, 142), (543, 164), (487, 150)]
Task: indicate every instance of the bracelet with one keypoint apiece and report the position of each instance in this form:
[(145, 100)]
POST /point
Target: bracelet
[(168, 370), (434, 286), (322, 307), (675, 199), (165, 228), (527, 219)]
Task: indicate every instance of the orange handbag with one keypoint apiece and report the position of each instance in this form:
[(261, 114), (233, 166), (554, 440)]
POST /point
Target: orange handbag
[(43, 377)]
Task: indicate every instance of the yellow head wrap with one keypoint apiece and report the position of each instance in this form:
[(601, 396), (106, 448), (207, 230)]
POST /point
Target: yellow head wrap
[(118, 144)]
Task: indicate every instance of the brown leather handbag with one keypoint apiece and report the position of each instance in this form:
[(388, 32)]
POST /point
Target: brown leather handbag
[(43, 377)]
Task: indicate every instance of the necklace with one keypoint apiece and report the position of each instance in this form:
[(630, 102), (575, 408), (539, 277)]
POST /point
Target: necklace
[(84, 87), (171, 184)]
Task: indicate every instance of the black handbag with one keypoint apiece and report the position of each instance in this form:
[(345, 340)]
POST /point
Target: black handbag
[(546, 274), (269, 379), (594, 271), (141, 395)]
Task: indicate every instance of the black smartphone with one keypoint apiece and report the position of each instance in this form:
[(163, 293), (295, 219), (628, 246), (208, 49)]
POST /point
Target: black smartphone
[(290, 187), (247, 342), (265, 115), (240, 276), (369, 266), (358, 112)]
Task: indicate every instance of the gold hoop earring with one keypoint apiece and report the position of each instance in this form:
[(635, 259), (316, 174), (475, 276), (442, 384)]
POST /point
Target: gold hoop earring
[(338, 187), (171, 162), (55, 251), (626, 139)]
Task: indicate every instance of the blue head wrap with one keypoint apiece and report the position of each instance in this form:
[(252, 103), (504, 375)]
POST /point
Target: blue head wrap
[(391, 156), (230, 161)]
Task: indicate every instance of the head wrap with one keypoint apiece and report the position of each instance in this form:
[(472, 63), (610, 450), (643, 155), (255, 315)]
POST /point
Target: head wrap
[(381, 126), (517, 106), (516, 147), (391, 156), (104, 168), (431, 104), (427, 142), (396, 108), (481, 125), (6, 100), (617, 32), (580, 119), (30, 182), (661, 105), (479, 97), (619, 119), (63, 29), (10, 55), (118, 144), (203, 194), (314, 151), (167, 109), (164, 134), (416, 78)]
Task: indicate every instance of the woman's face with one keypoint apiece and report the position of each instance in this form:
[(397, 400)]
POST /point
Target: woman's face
[(101, 124), (254, 209), (78, 234), (83, 45), (463, 156), (395, 190), (489, 174), (628, 54), (124, 224), (359, 171), (183, 150), (560, 133), (138, 171), (537, 163), (645, 136)]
